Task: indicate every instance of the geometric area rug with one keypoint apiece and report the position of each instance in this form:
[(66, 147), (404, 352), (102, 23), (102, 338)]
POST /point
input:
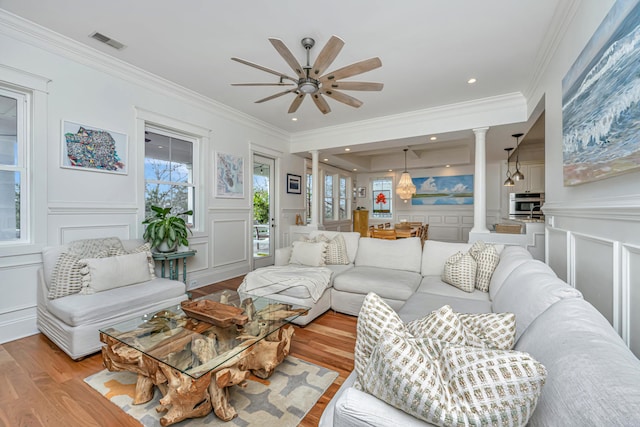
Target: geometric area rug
[(281, 400)]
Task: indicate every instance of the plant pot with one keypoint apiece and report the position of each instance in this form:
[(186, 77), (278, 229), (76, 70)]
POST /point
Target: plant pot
[(164, 247)]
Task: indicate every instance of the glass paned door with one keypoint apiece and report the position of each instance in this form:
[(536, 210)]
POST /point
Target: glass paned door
[(262, 229)]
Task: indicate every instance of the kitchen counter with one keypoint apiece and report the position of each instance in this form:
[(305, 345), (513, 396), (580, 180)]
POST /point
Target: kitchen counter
[(525, 219)]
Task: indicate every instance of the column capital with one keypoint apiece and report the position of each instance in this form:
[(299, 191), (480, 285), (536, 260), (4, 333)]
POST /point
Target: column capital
[(480, 130)]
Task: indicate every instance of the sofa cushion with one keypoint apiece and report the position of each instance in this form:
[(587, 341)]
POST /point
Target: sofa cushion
[(387, 283), (311, 254), (510, 258), (102, 274), (435, 254), (76, 309), (460, 271), (434, 285), (528, 291), (487, 258), (588, 364), (448, 384), (351, 240), (421, 304), (401, 254)]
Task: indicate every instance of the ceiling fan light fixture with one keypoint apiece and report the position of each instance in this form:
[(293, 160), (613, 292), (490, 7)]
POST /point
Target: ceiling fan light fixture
[(308, 86), (405, 189)]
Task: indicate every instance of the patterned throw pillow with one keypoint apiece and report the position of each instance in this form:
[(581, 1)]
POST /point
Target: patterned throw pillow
[(336, 249), (450, 385), (460, 271), (490, 330), (442, 324), (91, 248), (376, 319), (65, 278), (487, 258)]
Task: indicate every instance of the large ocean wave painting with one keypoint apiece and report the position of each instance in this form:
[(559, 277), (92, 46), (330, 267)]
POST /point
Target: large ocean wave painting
[(601, 100), (443, 190)]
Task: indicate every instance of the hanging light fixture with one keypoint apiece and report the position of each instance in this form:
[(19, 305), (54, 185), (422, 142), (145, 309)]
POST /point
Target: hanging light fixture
[(517, 175), (405, 188), (508, 182)]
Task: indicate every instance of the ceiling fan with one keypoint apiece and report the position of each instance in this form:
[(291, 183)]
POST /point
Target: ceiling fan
[(311, 79)]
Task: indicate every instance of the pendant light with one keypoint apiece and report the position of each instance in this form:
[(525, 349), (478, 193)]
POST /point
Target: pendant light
[(517, 175), (405, 188), (508, 182)]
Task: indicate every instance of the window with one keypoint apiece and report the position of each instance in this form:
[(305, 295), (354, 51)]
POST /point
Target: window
[(342, 198), (328, 197), (169, 172), (382, 191), (308, 194), (14, 183)]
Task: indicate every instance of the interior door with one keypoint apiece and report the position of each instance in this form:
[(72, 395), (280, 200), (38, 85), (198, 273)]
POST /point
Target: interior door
[(263, 227)]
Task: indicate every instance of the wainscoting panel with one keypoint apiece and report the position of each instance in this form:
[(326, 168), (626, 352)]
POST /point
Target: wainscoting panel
[(631, 296), (557, 250), (69, 234), (229, 241), (593, 273)]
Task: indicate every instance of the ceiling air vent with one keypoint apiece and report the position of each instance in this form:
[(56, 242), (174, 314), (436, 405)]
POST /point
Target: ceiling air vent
[(107, 40)]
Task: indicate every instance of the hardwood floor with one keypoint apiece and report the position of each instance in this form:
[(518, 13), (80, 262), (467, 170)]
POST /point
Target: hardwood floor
[(41, 386)]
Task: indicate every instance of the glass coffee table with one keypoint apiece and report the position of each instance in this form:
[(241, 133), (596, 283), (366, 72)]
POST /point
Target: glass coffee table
[(195, 351)]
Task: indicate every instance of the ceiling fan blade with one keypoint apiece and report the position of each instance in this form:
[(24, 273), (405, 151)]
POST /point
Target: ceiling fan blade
[(268, 70), (269, 98), (355, 85), (327, 55), (353, 69), (261, 84), (296, 103), (344, 98), (321, 103), (284, 51)]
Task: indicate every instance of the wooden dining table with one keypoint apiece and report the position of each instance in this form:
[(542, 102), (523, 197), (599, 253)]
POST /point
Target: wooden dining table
[(403, 233)]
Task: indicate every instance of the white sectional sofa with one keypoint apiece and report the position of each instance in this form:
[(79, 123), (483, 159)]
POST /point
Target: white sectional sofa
[(592, 376), (72, 322)]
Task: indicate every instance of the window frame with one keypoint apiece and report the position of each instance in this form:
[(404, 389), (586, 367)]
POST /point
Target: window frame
[(390, 198)]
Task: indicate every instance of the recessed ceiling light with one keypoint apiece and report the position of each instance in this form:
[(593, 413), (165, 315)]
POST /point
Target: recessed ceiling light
[(433, 138), (390, 170), (347, 149), (325, 160), (355, 170), (294, 119), (160, 146), (447, 166), (472, 80)]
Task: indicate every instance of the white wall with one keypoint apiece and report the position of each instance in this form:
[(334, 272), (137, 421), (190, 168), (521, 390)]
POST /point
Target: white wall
[(593, 229), (88, 87)]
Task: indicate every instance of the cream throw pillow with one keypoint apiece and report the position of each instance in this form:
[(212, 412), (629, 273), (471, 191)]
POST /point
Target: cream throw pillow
[(307, 253), (487, 258), (336, 249), (449, 385), (460, 271), (146, 248), (65, 278), (101, 274)]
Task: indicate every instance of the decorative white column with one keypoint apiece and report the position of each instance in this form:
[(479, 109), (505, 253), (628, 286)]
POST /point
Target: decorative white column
[(315, 195), (480, 183)]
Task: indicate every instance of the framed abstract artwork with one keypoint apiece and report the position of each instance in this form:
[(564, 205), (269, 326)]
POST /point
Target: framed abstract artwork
[(93, 149), (600, 98), (229, 176), (294, 184)]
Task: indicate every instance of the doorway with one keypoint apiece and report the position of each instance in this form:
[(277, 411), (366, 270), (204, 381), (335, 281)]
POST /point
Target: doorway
[(263, 227)]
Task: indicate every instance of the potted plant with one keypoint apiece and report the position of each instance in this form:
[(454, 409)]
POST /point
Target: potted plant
[(166, 231)]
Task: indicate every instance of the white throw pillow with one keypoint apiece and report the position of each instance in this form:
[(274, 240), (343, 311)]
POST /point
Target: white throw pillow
[(101, 274), (460, 271), (308, 253)]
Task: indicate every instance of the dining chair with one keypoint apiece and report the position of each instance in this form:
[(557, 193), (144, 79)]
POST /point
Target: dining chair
[(387, 225), (380, 226)]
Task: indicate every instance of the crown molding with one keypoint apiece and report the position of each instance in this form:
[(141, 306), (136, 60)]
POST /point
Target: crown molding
[(36, 35), (619, 208), (491, 111)]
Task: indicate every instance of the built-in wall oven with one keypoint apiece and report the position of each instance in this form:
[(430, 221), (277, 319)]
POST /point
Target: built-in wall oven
[(526, 204)]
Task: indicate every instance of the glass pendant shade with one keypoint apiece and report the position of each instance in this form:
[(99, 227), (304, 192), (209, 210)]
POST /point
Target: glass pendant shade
[(405, 189)]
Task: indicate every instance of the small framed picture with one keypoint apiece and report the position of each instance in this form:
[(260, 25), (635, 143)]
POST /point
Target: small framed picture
[(361, 192), (294, 184)]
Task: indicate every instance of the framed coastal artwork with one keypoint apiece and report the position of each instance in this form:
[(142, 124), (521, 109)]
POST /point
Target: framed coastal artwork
[(294, 184), (600, 99), (443, 190), (93, 149), (229, 176)]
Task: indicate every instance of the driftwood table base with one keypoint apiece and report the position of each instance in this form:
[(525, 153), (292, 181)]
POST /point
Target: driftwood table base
[(188, 397)]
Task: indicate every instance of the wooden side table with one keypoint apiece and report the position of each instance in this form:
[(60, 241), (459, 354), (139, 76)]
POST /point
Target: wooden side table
[(174, 263)]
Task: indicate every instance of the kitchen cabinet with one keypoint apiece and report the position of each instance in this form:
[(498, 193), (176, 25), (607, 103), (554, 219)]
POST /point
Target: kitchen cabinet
[(533, 179)]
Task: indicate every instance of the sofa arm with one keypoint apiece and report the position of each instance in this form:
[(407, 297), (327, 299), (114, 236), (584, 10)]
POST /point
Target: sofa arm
[(282, 256)]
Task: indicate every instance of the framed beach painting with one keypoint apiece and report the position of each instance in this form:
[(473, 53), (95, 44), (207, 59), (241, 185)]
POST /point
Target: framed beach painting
[(229, 176), (600, 99), (443, 190), (93, 149)]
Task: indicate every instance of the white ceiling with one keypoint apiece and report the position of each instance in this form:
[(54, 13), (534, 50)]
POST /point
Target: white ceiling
[(429, 48)]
